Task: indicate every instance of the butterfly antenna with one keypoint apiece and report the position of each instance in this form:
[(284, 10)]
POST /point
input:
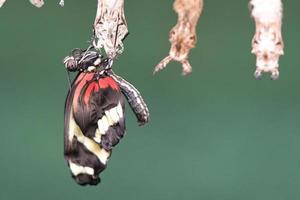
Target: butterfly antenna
[(69, 79)]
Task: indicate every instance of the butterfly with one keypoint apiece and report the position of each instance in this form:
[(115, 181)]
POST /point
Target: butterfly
[(95, 114)]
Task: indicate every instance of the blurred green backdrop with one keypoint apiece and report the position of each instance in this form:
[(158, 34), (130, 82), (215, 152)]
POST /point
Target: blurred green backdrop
[(217, 134)]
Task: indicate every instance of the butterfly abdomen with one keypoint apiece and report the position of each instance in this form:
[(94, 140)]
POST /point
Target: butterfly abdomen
[(94, 123)]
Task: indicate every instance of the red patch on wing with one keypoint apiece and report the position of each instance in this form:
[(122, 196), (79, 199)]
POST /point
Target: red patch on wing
[(81, 82), (93, 87), (108, 82)]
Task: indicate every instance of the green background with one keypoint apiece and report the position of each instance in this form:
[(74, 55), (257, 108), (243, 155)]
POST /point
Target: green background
[(217, 134)]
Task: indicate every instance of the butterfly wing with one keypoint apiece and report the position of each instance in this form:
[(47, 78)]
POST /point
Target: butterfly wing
[(94, 123)]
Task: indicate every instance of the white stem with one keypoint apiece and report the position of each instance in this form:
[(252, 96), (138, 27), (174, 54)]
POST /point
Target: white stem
[(266, 11), (62, 3), (37, 3), (1, 3)]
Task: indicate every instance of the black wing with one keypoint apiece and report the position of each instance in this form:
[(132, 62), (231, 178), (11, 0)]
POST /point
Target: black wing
[(94, 123)]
